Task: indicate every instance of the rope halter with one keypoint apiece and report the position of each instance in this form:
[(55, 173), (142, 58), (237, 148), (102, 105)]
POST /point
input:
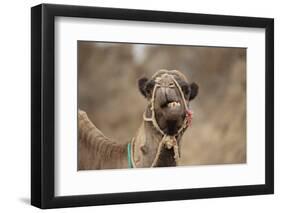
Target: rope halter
[(169, 141)]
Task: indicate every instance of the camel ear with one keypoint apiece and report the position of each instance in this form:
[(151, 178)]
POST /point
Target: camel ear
[(142, 85), (193, 91), (146, 87)]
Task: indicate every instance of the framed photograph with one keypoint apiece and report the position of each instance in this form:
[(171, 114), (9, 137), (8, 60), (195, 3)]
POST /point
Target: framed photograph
[(139, 106)]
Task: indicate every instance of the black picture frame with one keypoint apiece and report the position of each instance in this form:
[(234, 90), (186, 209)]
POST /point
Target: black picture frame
[(43, 102)]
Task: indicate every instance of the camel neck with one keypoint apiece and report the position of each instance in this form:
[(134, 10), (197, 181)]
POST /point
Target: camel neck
[(145, 146)]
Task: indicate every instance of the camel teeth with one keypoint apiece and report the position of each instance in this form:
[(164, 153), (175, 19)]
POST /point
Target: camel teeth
[(174, 104)]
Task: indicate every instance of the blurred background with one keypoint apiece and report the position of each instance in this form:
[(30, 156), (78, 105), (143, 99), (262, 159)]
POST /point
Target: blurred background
[(108, 92)]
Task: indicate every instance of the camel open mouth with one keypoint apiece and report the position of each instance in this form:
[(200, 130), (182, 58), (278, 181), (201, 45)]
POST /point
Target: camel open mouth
[(171, 104), (173, 116)]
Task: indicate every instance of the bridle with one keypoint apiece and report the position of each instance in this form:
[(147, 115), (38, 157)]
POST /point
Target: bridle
[(170, 141)]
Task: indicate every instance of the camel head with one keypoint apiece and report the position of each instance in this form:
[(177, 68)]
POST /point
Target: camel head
[(168, 93)]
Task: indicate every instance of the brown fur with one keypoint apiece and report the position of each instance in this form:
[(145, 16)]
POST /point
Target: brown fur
[(99, 152)]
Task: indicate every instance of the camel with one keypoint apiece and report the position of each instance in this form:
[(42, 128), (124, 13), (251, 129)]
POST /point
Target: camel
[(157, 141)]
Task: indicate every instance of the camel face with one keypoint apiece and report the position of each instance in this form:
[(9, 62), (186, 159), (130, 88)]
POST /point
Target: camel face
[(170, 93), (169, 106)]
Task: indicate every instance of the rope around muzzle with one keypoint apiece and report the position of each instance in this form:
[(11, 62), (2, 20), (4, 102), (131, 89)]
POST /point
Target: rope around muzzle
[(169, 141)]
